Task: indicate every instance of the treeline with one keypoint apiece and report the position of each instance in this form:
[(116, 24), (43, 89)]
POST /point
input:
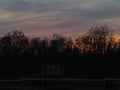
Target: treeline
[(94, 55), (96, 42)]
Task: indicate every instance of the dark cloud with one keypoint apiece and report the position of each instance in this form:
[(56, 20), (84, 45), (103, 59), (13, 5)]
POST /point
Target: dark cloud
[(35, 7), (53, 15)]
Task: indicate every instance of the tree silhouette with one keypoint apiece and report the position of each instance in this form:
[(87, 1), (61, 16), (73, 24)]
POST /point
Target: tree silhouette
[(5, 45), (80, 54), (34, 46), (14, 43), (98, 39), (45, 47), (58, 43)]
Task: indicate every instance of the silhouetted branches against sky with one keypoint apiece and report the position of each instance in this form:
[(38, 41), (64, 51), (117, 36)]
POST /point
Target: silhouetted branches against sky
[(97, 41)]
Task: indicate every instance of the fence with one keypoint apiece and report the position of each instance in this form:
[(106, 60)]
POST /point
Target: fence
[(59, 84)]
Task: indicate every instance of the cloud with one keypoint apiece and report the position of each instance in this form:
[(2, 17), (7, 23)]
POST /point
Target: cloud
[(46, 5), (57, 16), (35, 6)]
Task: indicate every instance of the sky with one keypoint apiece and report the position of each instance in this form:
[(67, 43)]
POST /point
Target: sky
[(42, 18)]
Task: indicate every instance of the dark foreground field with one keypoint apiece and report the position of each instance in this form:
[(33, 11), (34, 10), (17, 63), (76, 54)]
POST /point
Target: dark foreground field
[(60, 84), (80, 74), (87, 67)]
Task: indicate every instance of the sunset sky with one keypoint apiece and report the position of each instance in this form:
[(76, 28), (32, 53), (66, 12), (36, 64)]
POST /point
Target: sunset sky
[(67, 17)]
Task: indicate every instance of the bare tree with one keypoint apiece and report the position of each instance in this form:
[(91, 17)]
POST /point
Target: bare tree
[(14, 43), (58, 42), (34, 46), (5, 45), (98, 39)]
